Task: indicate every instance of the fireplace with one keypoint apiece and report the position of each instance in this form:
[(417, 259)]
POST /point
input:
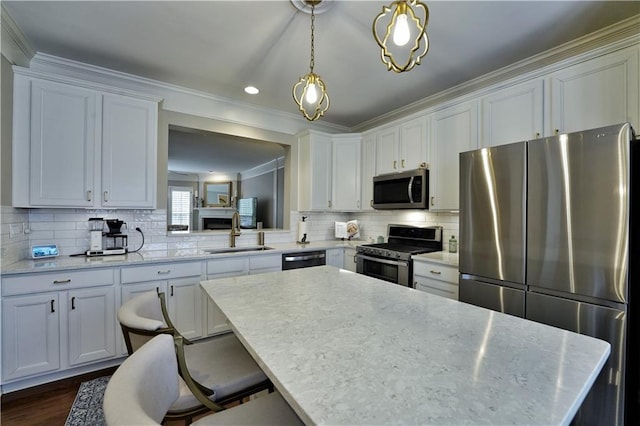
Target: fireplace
[(213, 223)]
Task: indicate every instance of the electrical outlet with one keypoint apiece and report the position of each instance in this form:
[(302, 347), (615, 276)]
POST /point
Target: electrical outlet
[(15, 229)]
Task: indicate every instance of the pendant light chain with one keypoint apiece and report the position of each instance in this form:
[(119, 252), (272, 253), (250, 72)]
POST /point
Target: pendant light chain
[(313, 27)]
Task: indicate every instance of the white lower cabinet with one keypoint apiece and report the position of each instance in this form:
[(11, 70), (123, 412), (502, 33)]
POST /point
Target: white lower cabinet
[(220, 268), (90, 311), (436, 278), (335, 257), (30, 335), (180, 282), (350, 259), (55, 321)]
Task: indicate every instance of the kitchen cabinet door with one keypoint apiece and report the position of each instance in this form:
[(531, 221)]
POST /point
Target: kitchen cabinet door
[(350, 259), (346, 173), (30, 335), (368, 171), (92, 322), (129, 158), (335, 257), (387, 148), (599, 92), (453, 130), (184, 303), (414, 145), (216, 321), (62, 144), (436, 278), (513, 114), (315, 165)]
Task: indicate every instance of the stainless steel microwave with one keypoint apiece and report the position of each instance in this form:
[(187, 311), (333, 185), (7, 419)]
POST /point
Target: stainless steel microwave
[(404, 190)]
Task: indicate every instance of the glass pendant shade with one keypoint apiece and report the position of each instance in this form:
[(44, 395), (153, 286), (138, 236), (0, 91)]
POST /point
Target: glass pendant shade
[(400, 31)]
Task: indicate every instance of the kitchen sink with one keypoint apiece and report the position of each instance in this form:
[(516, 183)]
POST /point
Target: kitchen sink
[(236, 249)]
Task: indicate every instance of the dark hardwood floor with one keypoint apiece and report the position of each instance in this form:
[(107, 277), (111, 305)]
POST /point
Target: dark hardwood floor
[(44, 405)]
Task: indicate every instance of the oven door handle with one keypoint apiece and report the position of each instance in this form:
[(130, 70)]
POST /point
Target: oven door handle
[(379, 260)]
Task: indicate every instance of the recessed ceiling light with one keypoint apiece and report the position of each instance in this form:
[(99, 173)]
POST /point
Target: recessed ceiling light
[(251, 90)]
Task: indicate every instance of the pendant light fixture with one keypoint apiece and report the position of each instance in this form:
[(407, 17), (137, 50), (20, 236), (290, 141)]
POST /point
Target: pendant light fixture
[(402, 35), (310, 92)]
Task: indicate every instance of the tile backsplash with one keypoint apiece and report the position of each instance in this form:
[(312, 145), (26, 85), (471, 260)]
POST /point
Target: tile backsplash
[(69, 229)]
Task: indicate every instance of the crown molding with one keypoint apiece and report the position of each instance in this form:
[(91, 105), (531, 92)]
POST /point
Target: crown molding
[(15, 46), (617, 36), (181, 99)]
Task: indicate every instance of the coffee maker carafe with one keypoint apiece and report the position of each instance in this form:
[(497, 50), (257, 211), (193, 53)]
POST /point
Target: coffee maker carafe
[(96, 227)]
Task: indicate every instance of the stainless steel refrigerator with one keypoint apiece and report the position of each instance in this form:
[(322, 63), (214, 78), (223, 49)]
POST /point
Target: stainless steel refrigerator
[(546, 234)]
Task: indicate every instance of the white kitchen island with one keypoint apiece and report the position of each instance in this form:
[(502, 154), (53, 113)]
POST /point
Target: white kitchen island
[(346, 349)]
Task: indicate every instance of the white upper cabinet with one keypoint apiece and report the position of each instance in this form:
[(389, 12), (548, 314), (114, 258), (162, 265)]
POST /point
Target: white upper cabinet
[(414, 147), (79, 147), (315, 171), (513, 114), (63, 140), (329, 172), (453, 130), (402, 147), (599, 92), (387, 150), (368, 170), (346, 172), (129, 138)]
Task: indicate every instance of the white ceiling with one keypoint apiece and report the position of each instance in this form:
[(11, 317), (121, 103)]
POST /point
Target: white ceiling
[(222, 46)]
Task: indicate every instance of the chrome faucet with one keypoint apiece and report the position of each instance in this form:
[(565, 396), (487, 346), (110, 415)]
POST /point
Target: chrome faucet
[(235, 228)]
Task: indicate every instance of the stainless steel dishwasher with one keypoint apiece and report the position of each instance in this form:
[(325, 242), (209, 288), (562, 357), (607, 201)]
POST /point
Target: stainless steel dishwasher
[(303, 259)]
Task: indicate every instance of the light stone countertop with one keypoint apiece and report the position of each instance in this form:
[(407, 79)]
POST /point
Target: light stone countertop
[(344, 348), (443, 257), (159, 256)]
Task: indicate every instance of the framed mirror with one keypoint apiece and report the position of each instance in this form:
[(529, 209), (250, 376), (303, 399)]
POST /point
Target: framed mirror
[(217, 194)]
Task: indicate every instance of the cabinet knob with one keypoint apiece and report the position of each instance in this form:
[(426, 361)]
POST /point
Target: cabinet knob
[(537, 134), (557, 131)]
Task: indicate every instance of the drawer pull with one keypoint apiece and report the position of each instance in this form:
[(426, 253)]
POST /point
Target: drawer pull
[(436, 272), (168, 271), (73, 302), (171, 291), (89, 195), (106, 196), (53, 309), (67, 281)]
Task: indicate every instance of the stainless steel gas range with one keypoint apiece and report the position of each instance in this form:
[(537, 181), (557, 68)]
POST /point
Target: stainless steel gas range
[(391, 261)]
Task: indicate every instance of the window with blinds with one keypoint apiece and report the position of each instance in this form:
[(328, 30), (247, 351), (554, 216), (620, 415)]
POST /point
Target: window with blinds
[(180, 200)]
